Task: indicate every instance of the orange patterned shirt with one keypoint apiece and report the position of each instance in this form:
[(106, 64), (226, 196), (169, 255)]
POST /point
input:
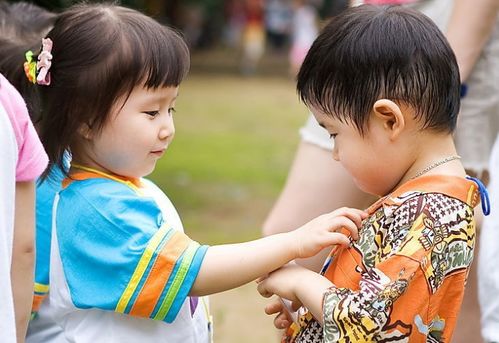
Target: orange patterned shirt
[(404, 279)]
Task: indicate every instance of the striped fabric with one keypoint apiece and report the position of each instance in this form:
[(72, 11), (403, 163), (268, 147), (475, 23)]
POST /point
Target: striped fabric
[(119, 253), (45, 193)]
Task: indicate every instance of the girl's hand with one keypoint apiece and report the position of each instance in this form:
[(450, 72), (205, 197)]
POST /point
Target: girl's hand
[(325, 231)]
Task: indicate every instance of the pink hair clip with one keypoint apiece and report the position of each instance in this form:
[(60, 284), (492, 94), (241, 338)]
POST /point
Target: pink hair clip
[(44, 62)]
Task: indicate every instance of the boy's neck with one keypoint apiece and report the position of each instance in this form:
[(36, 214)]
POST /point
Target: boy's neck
[(435, 154)]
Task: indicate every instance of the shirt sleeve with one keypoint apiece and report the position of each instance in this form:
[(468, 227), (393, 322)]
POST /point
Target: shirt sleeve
[(32, 159), (119, 253), (365, 313)]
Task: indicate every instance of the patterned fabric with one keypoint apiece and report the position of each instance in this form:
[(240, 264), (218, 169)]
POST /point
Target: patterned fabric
[(404, 279)]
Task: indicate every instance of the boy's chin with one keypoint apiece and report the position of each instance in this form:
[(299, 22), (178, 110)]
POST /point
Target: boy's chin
[(369, 189)]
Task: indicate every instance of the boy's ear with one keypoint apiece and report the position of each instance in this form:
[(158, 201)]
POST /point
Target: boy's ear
[(390, 115), (85, 131)]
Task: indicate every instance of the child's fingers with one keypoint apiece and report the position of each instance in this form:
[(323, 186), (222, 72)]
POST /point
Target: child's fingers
[(343, 222), (352, 213), (262, 289), (295, 305), (337, 238), (261, 278), (281, 321), (344, 211), (273, 307), (357, 216)]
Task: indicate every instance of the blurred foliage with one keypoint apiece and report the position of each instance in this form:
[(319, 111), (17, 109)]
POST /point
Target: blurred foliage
[(172, 12)]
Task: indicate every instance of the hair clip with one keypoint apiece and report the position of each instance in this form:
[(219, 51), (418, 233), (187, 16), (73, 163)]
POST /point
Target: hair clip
[(44, 62), (30, 67)]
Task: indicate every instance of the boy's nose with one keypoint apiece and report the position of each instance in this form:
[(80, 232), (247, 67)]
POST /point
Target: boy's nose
[(336, 157)]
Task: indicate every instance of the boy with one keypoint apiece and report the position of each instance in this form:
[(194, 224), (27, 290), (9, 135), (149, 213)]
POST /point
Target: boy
[(385, 84)]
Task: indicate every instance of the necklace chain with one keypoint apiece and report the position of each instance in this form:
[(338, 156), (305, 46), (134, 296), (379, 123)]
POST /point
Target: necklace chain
[(436, 164)]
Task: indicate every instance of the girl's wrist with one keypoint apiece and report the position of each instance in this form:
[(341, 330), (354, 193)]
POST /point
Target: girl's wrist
[(290, 244)]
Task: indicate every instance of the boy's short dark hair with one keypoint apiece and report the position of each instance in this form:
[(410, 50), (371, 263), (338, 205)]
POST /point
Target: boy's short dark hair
[(372, 52)]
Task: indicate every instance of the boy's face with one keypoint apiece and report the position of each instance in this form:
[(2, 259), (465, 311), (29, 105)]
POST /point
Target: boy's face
[(137, 134), (368, 158)]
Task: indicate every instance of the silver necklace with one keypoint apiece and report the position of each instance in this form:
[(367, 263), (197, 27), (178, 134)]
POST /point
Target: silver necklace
[(436, 164)]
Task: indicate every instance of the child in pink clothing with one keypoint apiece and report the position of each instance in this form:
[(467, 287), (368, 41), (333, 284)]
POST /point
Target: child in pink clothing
[(22, 161), (32, 160)]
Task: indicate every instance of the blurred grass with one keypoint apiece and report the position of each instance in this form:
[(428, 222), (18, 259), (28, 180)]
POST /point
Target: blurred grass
[(235, 139)]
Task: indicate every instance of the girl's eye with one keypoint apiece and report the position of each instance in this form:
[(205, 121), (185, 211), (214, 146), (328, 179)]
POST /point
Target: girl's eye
[(332, 135), (151, 113), (171, 110)]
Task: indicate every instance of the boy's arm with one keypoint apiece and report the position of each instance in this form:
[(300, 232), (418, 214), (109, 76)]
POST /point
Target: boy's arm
[(334, 307), (23, 255), (232, 265), (469, 29)]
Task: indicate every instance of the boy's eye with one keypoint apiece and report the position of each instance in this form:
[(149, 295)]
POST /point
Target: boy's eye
[(171, 110), (151, 113), (332, 135)]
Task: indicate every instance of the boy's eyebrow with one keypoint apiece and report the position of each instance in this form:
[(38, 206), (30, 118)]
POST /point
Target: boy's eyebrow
[(322, 125)]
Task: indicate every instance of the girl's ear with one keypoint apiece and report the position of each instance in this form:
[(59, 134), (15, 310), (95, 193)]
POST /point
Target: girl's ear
[(391, 117), (85, 131)]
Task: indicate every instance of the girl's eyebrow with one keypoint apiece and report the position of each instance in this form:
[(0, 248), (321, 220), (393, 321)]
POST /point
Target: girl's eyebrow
[(159, 97)]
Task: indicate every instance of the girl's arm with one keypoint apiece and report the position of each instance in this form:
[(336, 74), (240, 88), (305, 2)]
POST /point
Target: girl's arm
[(469, 29), (232, 265), (23, 255)]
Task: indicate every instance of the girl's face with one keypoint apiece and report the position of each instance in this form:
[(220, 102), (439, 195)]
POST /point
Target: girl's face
[(136, 135)]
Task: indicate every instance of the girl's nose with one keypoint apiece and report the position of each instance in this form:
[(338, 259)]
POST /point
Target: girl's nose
[(167, 131)]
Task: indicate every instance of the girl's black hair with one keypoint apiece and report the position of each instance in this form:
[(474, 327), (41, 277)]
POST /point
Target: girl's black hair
[(101, 52), (372, 52)]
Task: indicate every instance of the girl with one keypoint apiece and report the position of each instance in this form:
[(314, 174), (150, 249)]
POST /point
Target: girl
[(119, 255)]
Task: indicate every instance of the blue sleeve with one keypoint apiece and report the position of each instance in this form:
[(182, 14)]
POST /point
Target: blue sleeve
[(119, 253)]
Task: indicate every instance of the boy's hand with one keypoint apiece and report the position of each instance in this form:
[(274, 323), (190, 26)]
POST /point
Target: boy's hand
[(297, 284), (325, 231), (282, 282), (284, 317)]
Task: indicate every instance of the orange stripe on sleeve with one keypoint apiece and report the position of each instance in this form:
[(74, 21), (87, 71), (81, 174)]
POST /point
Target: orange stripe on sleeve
[(158, 276), (37, 302)]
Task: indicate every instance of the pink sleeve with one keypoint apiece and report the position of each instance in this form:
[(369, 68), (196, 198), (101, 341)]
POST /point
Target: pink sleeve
[(32, 159)]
